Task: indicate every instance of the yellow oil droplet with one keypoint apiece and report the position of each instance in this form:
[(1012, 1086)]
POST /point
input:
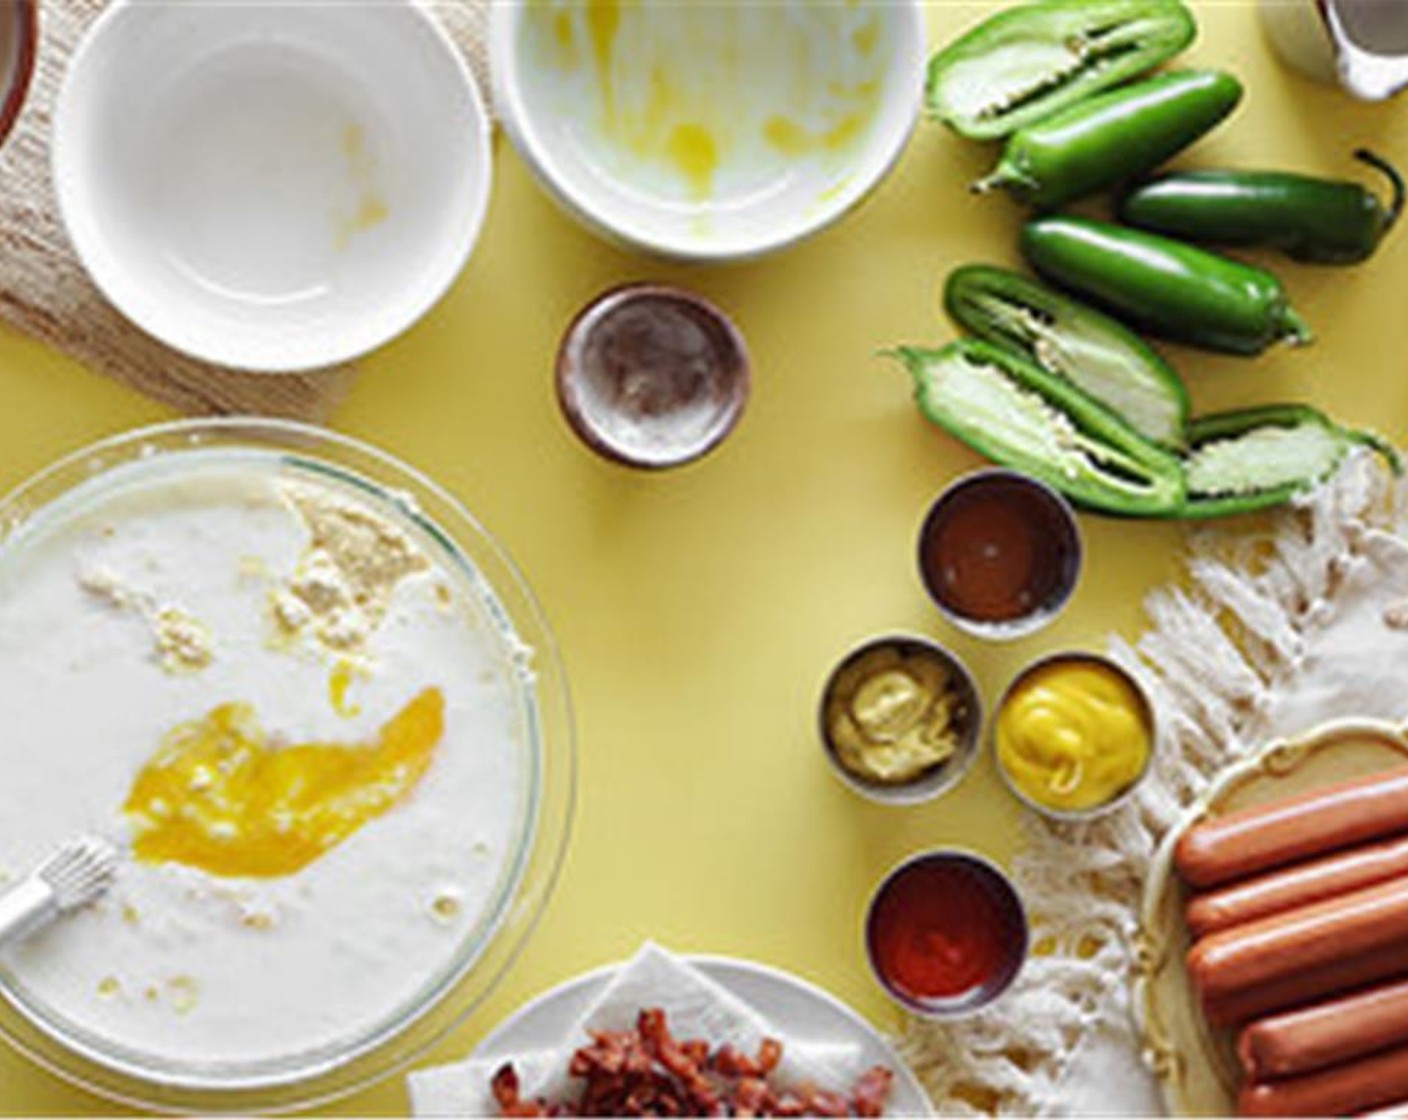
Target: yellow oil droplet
[(109, 986), (354, 149), (184, 994), (562, 29), (339, 682), (603, 21), (371, 212), (865, 37), (787, 136), (151, 994), (791, 139), (446, 907), (695, 154), (372, 208), (130, 916), (270, 811)]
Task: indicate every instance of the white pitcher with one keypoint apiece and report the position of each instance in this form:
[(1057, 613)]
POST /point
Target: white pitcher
[(1361, 44)]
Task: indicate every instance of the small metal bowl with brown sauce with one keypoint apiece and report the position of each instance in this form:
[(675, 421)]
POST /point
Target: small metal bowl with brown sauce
[(652, 376), (999, 553)]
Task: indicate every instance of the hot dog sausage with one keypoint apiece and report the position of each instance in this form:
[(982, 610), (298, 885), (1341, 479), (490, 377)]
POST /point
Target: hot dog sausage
[(1278, 891), (1308, 986), (1395, 1111), (1266, 836), (1326, 1034), (1338, 1091), (1227, 964)]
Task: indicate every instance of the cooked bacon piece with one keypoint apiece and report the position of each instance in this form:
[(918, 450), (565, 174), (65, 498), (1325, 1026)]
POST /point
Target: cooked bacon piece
[(505, 1090), (648, 1072), (732, 1062), (871, 1091), (819, 1102)]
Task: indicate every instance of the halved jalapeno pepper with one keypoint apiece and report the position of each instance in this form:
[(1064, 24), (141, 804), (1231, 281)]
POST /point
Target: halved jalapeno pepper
[(1066, 338), (1017, 414), (1256, 458), (1033, 60)]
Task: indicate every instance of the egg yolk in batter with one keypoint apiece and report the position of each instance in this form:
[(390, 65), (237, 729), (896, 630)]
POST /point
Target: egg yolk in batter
[(218, 795)]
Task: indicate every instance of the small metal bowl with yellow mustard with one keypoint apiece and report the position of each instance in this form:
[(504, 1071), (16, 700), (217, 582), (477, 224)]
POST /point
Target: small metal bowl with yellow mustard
[(1073, 735), (900, 717)]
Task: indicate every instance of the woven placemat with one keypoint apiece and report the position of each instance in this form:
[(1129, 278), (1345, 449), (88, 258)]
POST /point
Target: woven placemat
[(45, 293)]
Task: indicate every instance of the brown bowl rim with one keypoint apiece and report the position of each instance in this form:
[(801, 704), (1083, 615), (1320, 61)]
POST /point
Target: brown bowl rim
[(20, 79), (740, 378)]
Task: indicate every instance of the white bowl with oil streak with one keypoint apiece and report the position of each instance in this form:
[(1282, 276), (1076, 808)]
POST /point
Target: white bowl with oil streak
[(708, 131), (271, 186)]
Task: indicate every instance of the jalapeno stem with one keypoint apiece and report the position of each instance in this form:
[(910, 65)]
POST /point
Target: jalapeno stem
[(1378, 163), (1296, 331), (1002, 176), (1377, 443)]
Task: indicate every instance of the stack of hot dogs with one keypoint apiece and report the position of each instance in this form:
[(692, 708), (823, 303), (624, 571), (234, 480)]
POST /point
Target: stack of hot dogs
[(1299, 914)]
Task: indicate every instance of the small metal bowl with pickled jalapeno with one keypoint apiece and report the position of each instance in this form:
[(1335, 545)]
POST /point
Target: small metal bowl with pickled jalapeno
[(1073, 735), (900, 718)]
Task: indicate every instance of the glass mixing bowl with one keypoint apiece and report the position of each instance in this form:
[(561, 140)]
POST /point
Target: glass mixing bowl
[(486, 952)]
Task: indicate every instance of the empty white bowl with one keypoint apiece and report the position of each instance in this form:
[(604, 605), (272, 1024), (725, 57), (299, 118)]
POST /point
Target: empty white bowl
[(708, 131), (271, 186)]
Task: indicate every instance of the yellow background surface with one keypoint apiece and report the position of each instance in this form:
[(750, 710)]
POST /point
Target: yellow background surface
[(699, 610)]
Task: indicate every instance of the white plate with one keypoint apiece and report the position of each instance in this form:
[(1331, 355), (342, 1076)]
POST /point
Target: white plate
[(271, 186), (795, 1009)]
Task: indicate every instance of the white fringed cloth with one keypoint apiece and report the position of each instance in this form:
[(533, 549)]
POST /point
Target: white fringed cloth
[(1280, 624)]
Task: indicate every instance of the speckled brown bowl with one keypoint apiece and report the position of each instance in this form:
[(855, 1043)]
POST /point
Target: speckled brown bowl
[(19, 40), (652, 376)]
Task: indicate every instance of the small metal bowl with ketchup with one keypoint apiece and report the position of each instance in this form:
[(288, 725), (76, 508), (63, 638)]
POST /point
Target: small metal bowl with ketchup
[(999, 553), (946, 933)]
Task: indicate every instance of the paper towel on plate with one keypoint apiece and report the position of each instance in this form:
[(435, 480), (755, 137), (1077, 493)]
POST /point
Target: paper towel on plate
[(695, 1007)]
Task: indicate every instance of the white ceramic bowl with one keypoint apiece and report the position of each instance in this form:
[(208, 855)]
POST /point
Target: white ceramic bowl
[(708, 131), (271, 186)]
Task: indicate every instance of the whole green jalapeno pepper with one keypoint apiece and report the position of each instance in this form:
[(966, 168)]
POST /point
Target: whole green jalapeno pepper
[(1256, 458), (1017, 414), (1324, 221), (1032, 60), (1111, 137), (1164, 286), (1066, 338)]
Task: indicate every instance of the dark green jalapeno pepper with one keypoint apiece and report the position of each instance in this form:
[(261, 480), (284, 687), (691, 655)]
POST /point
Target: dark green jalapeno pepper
[(1325, 221), (1239, 462), (1066, 338), (1111, 137), (1032, 60), (1017, 414), (1164, 286)]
